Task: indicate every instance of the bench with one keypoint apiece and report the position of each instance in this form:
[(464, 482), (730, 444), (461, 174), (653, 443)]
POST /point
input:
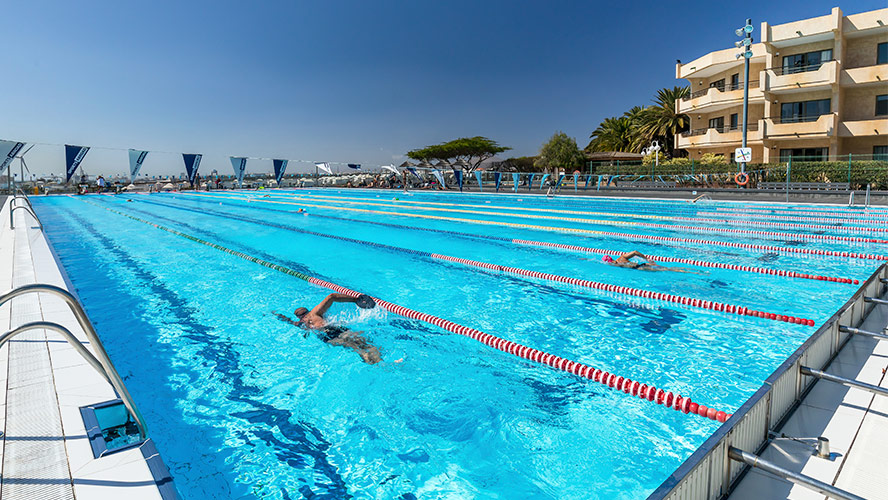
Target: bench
[(805, 186), (649, 185)]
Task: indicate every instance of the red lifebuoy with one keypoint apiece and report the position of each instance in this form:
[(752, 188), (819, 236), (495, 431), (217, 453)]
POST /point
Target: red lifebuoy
[(741, 175)]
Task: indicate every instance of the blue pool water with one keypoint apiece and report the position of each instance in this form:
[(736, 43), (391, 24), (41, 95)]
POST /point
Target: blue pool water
[(242, 405)]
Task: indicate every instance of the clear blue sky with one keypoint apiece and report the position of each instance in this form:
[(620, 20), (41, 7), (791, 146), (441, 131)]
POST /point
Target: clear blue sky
[(341, 81)]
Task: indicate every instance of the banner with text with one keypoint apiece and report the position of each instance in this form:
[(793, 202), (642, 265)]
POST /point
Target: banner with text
[(136, 158), (192, 162), (8, 150), (323, 166), (73, 156), (240, 166), (279, 167)]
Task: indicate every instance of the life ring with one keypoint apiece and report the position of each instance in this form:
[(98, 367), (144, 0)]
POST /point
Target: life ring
[(742, 175)]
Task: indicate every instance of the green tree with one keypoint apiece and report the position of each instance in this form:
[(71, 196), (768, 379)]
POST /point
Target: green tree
[(662, 122), (521, 164), (613, 134), (560, 151), (472, 150)]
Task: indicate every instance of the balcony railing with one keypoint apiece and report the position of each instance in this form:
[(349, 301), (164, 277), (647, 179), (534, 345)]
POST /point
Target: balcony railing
[(789, 70), (796, 119), (721, 88), (752, 127)]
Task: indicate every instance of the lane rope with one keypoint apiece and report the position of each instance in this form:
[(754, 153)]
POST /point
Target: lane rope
[(625, 384)]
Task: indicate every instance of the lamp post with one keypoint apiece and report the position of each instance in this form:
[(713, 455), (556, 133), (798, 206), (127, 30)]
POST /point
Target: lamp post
[(746, 44), (654, 148)]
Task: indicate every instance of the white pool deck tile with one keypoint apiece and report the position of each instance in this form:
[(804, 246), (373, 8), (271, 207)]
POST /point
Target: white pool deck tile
[(854, 421), (45, 453)]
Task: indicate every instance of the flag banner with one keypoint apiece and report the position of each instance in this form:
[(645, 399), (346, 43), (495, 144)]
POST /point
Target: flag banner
[(589, 179), (515, 181), (390, 168), (437, 174), (240, 166), (576, 178), (413, 171), (356, 166), (8, 150), (136, 159), (73, 156), (543, 180), (192, 162), (497, 178), (279, 167), (478, 176), (323, 166), (530, 181), (560, 180), (459, 178)]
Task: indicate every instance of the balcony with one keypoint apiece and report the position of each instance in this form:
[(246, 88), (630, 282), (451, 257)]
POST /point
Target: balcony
[(801, 79), (713, 137), (800, 127), (862, 128), (867, 75), (721, 97)]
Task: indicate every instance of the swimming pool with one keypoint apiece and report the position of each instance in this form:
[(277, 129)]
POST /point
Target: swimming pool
[(241, 404)]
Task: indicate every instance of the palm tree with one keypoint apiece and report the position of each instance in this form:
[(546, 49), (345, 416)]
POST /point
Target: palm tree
[(662, 122), (613, 134)]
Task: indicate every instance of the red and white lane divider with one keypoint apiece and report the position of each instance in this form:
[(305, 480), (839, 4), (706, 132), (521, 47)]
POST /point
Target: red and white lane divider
[(820, 213), (789, 225), (625, 384), (693, 262), (773, 234), (738, 216), (636, 292)]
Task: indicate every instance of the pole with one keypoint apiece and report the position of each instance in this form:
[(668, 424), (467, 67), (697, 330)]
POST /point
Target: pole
[(788, 171), (746, 49), (849, 170)]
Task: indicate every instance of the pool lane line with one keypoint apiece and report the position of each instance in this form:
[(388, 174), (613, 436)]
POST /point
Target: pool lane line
[(683, 217), (630, 236), (594, 285), (625, 384), (576, 248), (647, 225), (842, 220)]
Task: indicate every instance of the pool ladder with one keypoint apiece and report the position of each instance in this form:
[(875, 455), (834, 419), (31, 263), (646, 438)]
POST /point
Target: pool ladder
[(100, 361), (20, 195)]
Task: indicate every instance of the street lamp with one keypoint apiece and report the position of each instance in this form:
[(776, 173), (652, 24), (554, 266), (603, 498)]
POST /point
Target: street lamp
[(654, 149), (746, 45)]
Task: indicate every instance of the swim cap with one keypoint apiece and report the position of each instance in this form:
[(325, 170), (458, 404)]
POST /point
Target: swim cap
[(607, 258)]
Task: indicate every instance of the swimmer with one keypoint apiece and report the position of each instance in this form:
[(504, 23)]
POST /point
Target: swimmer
[(625, 260), (333, 334)]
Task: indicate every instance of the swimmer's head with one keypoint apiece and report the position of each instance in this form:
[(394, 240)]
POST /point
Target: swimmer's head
[(607, 258), (301, 312)]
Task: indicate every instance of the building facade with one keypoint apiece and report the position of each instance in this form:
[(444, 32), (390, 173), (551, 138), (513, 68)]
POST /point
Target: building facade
[(818, 89)]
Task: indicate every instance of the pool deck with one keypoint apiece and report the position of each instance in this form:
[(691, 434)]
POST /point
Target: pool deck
[(854, 421), (46, 452)]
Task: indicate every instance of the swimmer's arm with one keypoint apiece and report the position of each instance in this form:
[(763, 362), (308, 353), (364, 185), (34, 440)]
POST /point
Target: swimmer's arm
[(331, 299)]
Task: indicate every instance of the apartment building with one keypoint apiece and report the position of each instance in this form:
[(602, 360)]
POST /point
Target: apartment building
[(818, 88)]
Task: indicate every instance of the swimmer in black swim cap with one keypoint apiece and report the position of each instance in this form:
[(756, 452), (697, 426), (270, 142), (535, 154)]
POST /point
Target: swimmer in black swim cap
[(332, 334)]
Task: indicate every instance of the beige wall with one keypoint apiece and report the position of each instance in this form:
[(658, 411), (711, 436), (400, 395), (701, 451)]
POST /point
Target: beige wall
[(860, 52), (756, 113), (703, 83), (861, 145), (860, 103)]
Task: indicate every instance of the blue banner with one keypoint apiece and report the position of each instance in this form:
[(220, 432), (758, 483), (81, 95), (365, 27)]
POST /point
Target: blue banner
[(192, 162), (588, 180), (356, 166), (439, 176), (478, 176), (543, 180), (459, 178), (497, 178), (515, 181), (413, 171), (576, 178), (560, 180), (280, 166), (8, 150), (530, 181), (73, 156), (240, 166), (136, 159)]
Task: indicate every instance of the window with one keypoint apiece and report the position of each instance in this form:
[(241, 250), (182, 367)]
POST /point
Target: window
[(804, 154), (882, 53), (735, 81), (735, 121), (805, 111), (719, 84), (718, 123), (809, 61), (882, 105), (880, 153)]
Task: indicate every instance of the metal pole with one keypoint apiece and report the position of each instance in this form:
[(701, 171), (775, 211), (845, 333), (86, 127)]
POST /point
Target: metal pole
[(746, 49), (849, 170), (788, 172), (793, 477), (880, 391), (865, 333)]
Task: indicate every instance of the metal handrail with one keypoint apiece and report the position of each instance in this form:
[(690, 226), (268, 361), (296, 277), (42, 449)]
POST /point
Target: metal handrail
[(793, 477), (13, 207), (792, 70), (727, 87), (102, 357), (881, 391)]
